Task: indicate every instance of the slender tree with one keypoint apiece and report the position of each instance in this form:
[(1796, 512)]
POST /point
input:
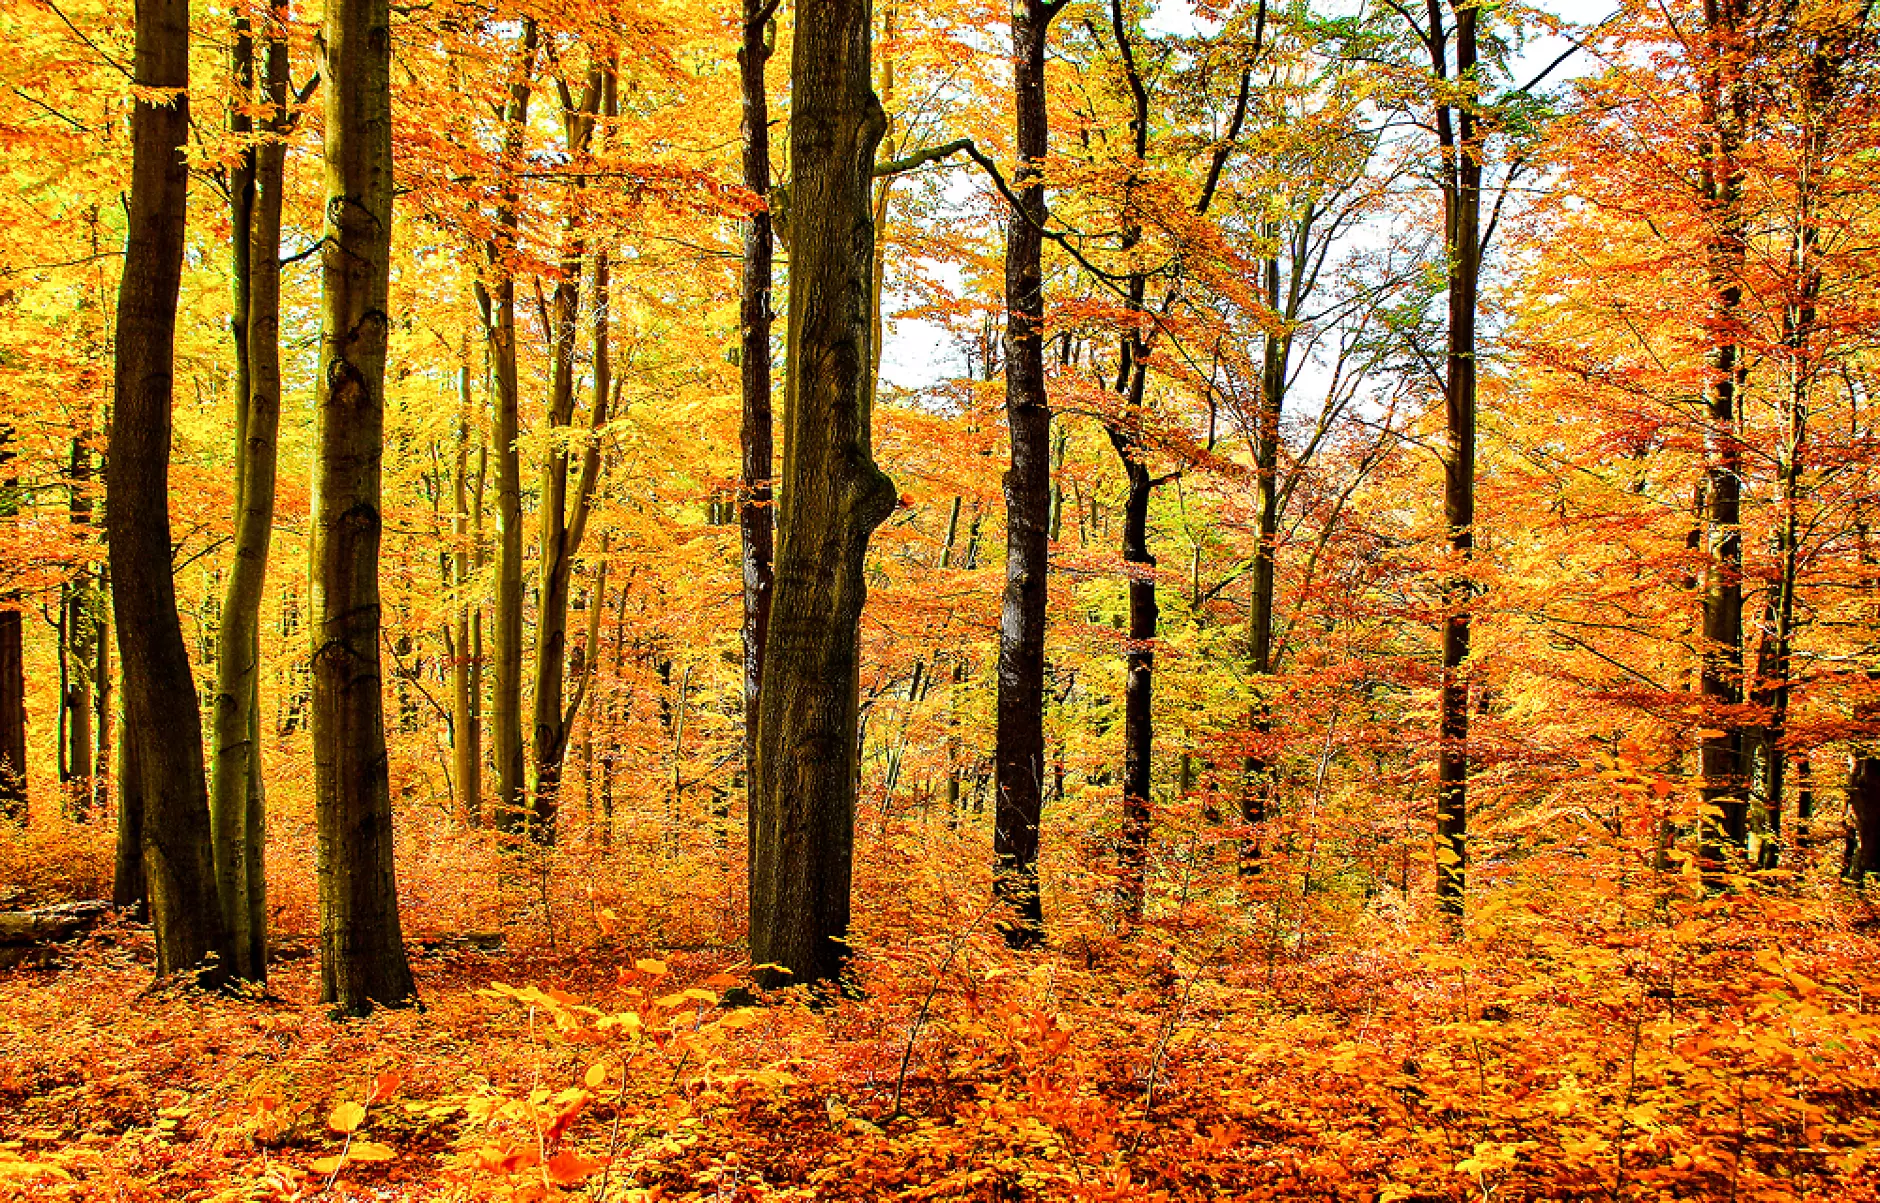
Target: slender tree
[(235, 795), (834, 496), (1018, 807), (362, 960), (754, 430), (168, 815)]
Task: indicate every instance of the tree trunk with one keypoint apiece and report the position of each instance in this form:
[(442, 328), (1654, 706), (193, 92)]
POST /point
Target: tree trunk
[(160, 705), (362, 961), (1259, 768), (236, 809), (466, 667), (834, 496), (754, 431), (1724, 804), (1460, 146), (12, 702), (81, 633), (1018, 805), (497, 302)]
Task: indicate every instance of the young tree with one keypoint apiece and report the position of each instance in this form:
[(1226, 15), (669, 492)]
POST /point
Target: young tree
[(235, 793), (362, 961), (834, 496)]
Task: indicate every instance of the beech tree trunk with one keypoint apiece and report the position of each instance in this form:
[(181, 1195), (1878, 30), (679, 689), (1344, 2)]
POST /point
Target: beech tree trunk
[(168, 802), (1259, 768), (834, 496), (1018, 805), (497, 302), (81, 635), (362, 961), (466, 659), (236, 810), (754, 431), (561, 530), (1460, 146), (1724, 802)]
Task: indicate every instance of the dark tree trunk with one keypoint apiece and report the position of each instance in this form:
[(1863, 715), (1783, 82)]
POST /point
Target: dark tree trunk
[(1138, 659), (1460, 147), (362, 961), (1018, 806), (833, 498), (160, 705), (1259, 768), (754, 431), (1724, 802), (12, 711)]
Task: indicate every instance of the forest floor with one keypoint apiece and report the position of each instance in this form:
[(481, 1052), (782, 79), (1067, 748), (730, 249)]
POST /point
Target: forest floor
[(1598, 1031)]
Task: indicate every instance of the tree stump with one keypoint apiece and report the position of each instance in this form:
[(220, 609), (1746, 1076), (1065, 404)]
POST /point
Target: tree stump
[(31, 937)]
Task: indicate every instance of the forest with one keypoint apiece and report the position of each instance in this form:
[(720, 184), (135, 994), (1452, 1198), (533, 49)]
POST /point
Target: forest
[(1092, 600)]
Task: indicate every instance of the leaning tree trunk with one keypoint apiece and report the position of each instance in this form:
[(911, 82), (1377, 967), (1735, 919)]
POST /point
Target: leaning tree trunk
[(834, 496), (754, 431), (1460, 147), (161, 723), (1018, 806), (235, 799), (362, 961)]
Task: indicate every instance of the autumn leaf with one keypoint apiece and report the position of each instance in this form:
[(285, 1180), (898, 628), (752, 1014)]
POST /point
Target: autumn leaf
[(346, 1117), (568, 1167)]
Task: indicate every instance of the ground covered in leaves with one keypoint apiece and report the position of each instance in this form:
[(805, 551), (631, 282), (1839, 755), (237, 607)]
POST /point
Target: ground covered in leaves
[(1598, 1031)]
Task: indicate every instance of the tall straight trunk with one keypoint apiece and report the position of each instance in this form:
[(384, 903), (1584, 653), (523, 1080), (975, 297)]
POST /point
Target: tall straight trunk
[(80, 633), (754, 430), (1258, 768), (466, 668), (130, 889), (560, 540), (1724, 813), (497, 302), (1460, 147), (834, 496), (362, 950), (235, 796), (1018, 757), (160, 705), (12, 704)]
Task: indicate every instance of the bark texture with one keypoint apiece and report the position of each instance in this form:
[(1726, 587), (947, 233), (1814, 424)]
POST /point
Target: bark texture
[(362, 961), (833, 498), (236, 808), (160, 706), (755, 519), (1018, 807)]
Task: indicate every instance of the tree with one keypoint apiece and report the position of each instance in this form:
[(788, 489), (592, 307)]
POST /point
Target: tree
[(159, 690), (834, 496), (755, 520), (362, 962), (1018, 806), (236, 811)]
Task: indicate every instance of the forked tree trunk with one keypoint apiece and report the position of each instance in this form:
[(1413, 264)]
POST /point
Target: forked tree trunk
[(362, 951), (497, 302), (1018, 806), (236, 809), (161, 716), (754, 430), (834, 496)]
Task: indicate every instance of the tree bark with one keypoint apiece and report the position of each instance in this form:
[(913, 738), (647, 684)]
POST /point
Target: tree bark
[(160, 705), (1460, 146), (1724, 803), (561, 531), (1018, 806), (236, 809), (834, 496), (466, 662), (362, 962), (754, 430), (497, 303)]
